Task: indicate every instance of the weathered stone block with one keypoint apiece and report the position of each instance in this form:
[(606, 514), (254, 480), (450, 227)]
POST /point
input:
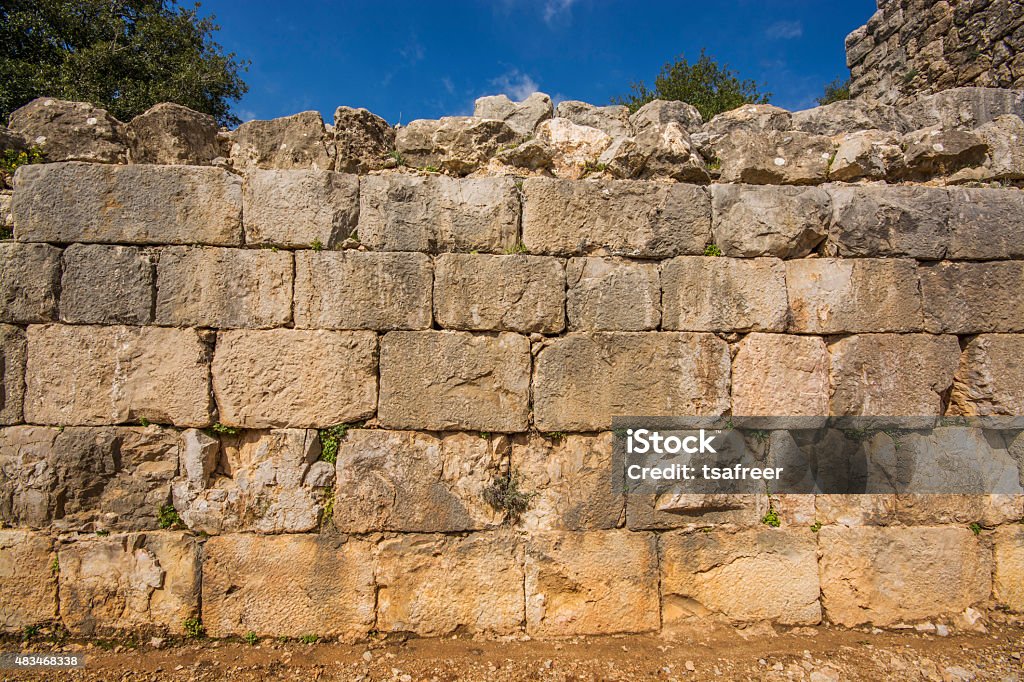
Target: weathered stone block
[(628, 218), (299, 208), (611, 294), (522, 116), (297, 141), (363, 141), (866, 154), (139, 204), (694, 512), (613, 120), (223, 288), (12, 374), (70, 131), (106, 285), (132, 582), (969, 298), (984, 224), (847, 116), (438, 213), (454, 380), (1009, 570), (294, 378), (573, 148), (884, 576), (936, 151), (855, 510), (752, 220), (990, 380), (780, 375), (593, 583), (288, 585), (774, 157), (750, 118), (581, 380), (169, 133), (440, 482), (29, 282), (724, 294), (880, 220), (753, 575), (892, 374), (455, 144), (499, 293), (834, 296), (111, 375), (437, 585), (26, 580), (362, 290)]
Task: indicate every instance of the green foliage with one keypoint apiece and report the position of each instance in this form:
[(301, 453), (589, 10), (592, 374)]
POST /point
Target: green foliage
[(816, 527), (102, 533), (55, 567), (836, 91), (309, 639), (167, 517), (12, 159), (30, 632), (143, 421), (397, 156), (594, 167), (909, 76), (122, 55), (224, 430), (193, 628), (771, 518), (331, 437), (975, 528), (556, 436), (517, 248), (251, 638), (431, 169), (504, 495), (705, 84), (712, 250), (317, 245), (328, 510)]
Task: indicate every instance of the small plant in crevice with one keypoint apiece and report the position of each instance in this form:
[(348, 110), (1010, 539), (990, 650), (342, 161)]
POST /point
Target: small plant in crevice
[(55, 567), (712, 250), (975, 528), (251, 638), (485, 434), (222, 430), (143, 422), (771, 517), (816, 527), (330, 439), (556, 436), (355, 236), (6, 233), (328, 509), (505, 495), (518, 248), (431, 169), (317, 245), (102, 533), (167, 517), (193, 628), (29, 632), (714, 163), (309, 639), (397, 156)]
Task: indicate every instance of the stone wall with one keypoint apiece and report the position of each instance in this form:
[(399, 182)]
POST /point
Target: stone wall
[(241, 386)]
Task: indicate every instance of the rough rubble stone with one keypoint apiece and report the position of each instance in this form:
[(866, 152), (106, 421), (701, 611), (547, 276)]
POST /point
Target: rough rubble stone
[(522, 116), (110, 375), (26, 580), (70, 131), (6, 214), (107, 285), (357, 290), (612, 120), (576, 148), (499, 293), (702, 293), (288, 586), (871, 154), (142, 204), (663, 151), (966, 108), (753, 118), (984, 224), (640, 219), (29, 282), (292, 378), (661, 112), (454, 144), (774, 157), (299, 208), (612, 294), (447, 380), (10, 139), (936, 151), (582, 380), (878, 220), (534, 155), (968, 298), (694, 512), (223, 288), (849, 116), (990, 380), (1008, 585), (171, 134), (12, 374), (364, 141), (298, 141), (780, 375), (752, 220), (437, 213), (1004, 136)]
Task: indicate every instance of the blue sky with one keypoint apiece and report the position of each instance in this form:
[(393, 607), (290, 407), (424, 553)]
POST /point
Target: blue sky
[(404, 60)]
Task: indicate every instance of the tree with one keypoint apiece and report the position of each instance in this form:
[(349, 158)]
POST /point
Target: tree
[(122, 55), (706, 85), (835, 91)]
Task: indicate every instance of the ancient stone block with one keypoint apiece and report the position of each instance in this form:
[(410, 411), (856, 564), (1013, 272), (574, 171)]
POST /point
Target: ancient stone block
[(660, 112), (751, 220), (288, 585), (694, 512), (294, 378), (984, 223), (111, 375), (12, 374), (779, 375), (833, 296), (966, 298), (892, 374), (131, 582), (1009, 568), (139, 204), (499, 293), (879, 220), (440, 482), (592, 583), (298, 141), (1003, 136), (70, 131), (724, 294), (106, 285), (26, 580), (611, 294), (169, 133), (362, 290), (522, 116), (855, 510), (774, 157), (581, 380), (885, 576), (29, 282), (299, 208), (438, 213), (613, 120), (751, 118), (964, 107), (362, 140), (574, 148), (223, 288), (455, 144), (847, 116), (866, 154), (990, 379), (753, 575), (660, 150), (937, 151), (643, 219)]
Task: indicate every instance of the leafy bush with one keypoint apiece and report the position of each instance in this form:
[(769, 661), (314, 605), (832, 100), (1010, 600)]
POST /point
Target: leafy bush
[(836, 91)]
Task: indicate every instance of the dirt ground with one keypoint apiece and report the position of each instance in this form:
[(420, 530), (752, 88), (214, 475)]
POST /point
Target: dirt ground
[(820, 654)]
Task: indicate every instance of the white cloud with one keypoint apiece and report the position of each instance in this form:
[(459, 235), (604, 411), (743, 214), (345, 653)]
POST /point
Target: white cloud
[(784, 30), (448, 85), (515, 84), (555, 10)]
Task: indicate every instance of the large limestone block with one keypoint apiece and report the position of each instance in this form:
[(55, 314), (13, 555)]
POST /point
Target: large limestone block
[(936, 151), (299, 208), (297, 141), (134, 582), (612, 294), (575, 149), (847, 116), (660, 112), (591, 583), (724, 294), (694, 512), (12, 374), (1009, 572), (29, 282), (27, 582), (442, 380), (964, 107), (969, 298), (774, 157), (780, 375), (362, 290), (613, 119), (984, 224), (499, 293), (582, 380), (892, 374), (288, 586), (880, 220), (364, 141), (107, 285), (855, 510), (291, 378), (749, 576), (70, 131), (111, 375), (884, 576), (438, 213), (455, 144), (628, 218), (438, 585), (522, 116), (139, 204), (990, 379), (409, 481), (866, 154), (752, 220), (756, 118), (1004, 135), (169, 133), (223, 288), (834, 296)]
